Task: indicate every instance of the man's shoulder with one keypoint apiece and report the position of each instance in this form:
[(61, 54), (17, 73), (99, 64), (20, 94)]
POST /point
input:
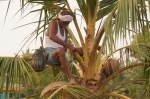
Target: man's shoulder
[(53, 22)]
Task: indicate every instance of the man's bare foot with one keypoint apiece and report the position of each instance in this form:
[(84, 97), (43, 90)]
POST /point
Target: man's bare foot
[(72, 81)]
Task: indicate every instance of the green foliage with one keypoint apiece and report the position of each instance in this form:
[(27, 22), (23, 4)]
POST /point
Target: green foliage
[(27, 54), (141, 50), (15, 70)]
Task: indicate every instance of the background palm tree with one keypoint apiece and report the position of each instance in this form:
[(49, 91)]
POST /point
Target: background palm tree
[(119, 20)]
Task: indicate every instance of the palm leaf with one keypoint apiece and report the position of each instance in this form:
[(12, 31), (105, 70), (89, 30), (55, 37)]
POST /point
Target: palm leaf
[(15, 70), (7, 10), (92, 4), (83, 8), (124, 82), (79, 69), (117, 72), (60, 88), (106, 7), (51, 86)]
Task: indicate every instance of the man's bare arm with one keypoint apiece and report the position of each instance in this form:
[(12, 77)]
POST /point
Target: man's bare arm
[(52, 35)]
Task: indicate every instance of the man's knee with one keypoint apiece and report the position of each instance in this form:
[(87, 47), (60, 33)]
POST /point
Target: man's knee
[(61, 51)]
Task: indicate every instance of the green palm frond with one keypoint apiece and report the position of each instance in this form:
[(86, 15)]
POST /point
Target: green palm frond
[(47, 11), (106, 7), (85, 5), (78, 68), (128, 15), (117, 72), (63, 89), (7, 11), (92, 6), (51, 87), (82, 5), (16, 71), (124, 82), (47, 76)]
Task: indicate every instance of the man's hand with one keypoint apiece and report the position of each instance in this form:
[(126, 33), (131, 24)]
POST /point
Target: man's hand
[(79, 51), (72, 49)]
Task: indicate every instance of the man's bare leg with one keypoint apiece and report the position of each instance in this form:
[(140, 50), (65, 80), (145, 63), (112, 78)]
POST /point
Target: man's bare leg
[(62, 58)]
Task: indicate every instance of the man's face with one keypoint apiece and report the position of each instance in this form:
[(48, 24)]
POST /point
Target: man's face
[(65, 23)]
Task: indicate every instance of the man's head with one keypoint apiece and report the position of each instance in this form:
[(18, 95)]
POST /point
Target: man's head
[(65, 12), (65, 18)]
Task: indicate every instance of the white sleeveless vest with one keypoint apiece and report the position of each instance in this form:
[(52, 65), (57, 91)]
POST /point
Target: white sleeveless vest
[(51, 43)]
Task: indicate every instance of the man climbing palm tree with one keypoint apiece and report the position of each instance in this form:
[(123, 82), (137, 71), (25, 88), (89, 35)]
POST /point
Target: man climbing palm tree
[(55, 42)]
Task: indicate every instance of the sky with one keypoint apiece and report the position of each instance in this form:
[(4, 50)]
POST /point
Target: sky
[(10, 38)]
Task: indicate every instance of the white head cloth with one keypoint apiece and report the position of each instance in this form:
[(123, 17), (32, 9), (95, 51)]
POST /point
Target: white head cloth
[(65, 17)]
